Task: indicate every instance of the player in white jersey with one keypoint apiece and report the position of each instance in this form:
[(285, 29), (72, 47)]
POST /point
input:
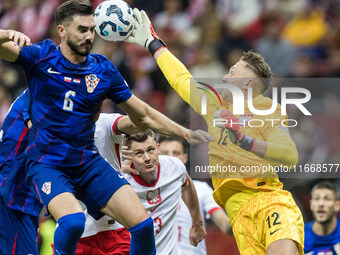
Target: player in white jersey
[(160, 184), (106, 236), (209, 209)]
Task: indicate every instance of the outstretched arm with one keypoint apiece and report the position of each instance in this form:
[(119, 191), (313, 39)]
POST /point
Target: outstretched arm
[(174, 71), (189, 196), (221, 220), (11, 42), (126, 126), (144, 116)]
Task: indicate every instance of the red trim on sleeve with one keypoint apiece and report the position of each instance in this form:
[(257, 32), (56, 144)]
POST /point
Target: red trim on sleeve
[(254, 144), (114, 126), (211, 211), (185, 183), (164, 47)]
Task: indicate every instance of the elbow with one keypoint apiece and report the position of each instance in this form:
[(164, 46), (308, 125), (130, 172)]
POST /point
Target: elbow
[(282, 154), (290, 156), (181, 78), (295, 159), (139, 124), (143, 125)]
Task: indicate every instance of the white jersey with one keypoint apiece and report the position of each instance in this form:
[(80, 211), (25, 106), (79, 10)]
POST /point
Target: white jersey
[(109, 144), (207, 207), (161, 201)]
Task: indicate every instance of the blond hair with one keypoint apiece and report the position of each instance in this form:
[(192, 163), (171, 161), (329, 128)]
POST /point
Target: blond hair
[(258, 65)]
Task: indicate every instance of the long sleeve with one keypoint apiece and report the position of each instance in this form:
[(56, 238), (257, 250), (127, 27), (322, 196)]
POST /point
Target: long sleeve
[(180, 79)]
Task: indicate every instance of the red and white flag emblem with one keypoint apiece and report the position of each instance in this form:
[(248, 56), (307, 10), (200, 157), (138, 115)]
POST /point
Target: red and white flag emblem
[(46, 187), (91, 82), (67, 79)]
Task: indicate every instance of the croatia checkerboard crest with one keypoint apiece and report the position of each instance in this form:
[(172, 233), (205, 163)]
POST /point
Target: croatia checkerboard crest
[(91, 82), (46, 187)]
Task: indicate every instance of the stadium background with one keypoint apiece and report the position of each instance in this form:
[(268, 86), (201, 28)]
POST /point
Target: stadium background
[(298, 38)]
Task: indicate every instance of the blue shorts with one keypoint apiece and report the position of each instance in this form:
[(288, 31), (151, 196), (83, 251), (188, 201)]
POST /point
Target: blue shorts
[(93, 182), (18, 232)]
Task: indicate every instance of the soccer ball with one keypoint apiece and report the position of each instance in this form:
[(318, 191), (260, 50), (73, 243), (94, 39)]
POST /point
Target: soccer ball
[(114, 20)]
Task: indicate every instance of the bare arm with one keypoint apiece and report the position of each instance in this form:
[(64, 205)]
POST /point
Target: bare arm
[(221, 220), (144, 116), (197, 232), (126, 126), (11, 42)]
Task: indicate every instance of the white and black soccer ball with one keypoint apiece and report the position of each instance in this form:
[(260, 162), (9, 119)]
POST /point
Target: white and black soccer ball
[(114, 20)]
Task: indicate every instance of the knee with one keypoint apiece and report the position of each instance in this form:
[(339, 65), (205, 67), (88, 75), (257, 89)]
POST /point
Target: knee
[(144, 226), (73, 224)]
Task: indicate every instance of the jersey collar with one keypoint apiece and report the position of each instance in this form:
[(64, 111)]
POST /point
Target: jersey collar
[(143, 183)]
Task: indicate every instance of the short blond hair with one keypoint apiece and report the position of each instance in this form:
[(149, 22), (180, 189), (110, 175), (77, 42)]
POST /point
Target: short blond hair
[(259, 66)]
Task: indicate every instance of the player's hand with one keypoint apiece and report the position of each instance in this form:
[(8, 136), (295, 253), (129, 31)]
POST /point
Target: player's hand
[(228, 121), (197, 233), (144, 34), (126, 167), (199, 136), (29, 124), (19, 39), (231, 124), (126, 153)]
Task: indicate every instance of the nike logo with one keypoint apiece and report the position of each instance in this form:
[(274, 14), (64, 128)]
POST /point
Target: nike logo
[(120, 176), (275, 231), (152, 210), (49, 70)]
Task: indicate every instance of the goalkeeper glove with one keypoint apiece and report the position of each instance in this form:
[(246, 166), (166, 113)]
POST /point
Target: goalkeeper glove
[(144, 35), (234, 132)]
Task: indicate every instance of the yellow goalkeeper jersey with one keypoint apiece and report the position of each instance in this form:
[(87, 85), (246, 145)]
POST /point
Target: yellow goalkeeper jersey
[(247, 171)]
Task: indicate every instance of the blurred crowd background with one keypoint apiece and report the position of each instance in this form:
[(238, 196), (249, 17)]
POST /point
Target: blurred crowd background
[(298, 38)]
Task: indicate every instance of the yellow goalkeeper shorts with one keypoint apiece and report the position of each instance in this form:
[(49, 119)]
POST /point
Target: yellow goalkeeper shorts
[(266, 217)]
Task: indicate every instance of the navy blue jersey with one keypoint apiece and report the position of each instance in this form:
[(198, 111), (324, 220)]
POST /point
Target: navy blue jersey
[(14, 139), (322, 245), (64, 100)]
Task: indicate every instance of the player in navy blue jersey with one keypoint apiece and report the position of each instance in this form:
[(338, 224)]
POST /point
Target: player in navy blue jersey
[(19, 207), (67, 85), (322, 235)]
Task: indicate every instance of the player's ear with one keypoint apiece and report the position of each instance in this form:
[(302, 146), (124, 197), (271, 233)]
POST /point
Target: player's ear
[(185, 158), (249, 83), (157, 148), (61, 31), (337, 206)]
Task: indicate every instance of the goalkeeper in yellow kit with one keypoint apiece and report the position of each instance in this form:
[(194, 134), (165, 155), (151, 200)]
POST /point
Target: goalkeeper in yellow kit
[(264, 217)]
